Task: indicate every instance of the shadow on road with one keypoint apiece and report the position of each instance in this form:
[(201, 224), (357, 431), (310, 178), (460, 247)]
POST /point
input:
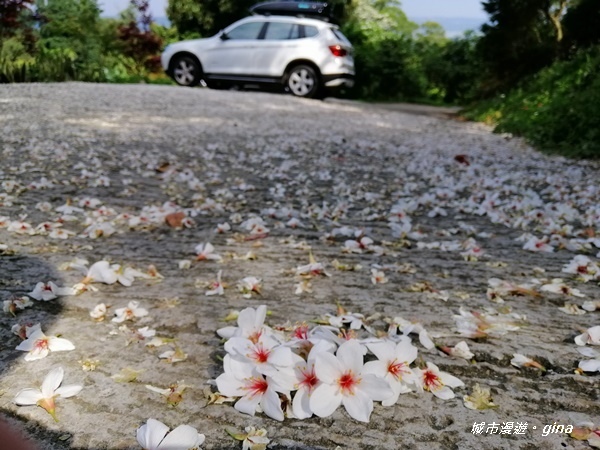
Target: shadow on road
[(18, 276)]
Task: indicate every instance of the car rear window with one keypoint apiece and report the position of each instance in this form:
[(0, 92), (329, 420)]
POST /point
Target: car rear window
[(338, 34)]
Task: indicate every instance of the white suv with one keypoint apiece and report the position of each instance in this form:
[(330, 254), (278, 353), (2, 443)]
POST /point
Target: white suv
[(304, 55)]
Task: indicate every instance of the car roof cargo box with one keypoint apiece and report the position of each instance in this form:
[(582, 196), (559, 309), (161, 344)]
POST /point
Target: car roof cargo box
[(314, 10)]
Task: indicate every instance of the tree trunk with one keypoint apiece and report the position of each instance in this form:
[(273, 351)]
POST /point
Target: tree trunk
[(555, 16)]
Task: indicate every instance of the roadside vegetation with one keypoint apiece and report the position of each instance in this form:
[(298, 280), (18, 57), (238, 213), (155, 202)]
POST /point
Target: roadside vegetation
[(557, 109), (541, 74), (532, 70)]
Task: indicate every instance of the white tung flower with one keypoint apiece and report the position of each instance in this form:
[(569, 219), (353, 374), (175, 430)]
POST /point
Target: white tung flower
[(437, 382), (131, 312), (590, 365), (255, 439), (206, 252), (49, 291), (50, 389), (520, 360), (216, 287), (101, 272), (16, 304), (393, 365), (556, 286), (591, 336), (344, 381), (243, 380), (38, 345), (99, 312), (251, 324), (378, 277), (460, 350), (249, 285), (154, 435)]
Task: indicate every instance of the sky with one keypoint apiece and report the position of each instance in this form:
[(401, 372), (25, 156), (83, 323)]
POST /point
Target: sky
[(444, 8), (414, 9)]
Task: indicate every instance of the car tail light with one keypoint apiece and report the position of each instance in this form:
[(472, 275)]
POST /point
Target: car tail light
[(337, 50)]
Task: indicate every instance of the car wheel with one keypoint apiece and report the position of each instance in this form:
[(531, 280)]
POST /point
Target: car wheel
[(186, 71), (303, 81)]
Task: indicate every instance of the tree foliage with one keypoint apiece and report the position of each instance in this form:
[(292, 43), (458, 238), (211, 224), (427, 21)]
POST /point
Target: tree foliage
[(69, 41), (397, 59), (138, 41), (522, 37), (582, 25), (206, 17), (14, 15)]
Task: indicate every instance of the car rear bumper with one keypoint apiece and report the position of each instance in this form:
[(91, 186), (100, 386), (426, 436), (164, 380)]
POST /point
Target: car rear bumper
[(338, 80)]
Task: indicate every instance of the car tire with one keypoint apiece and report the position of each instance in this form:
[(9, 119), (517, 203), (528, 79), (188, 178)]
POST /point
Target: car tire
[(186, 71), (303, 81)]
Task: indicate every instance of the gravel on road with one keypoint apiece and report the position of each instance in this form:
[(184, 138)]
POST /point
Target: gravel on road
[(357, 221)]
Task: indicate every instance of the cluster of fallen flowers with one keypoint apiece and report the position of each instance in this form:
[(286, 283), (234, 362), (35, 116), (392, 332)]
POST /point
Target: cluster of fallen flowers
[(321, 368), (298, 372)]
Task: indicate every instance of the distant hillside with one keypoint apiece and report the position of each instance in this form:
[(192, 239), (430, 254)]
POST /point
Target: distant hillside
[(454, 26), (162, 21)]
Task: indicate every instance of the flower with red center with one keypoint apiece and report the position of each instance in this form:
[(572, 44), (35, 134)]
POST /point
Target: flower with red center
[(431, 380), (378, 277), (438, 383), (303, 379), (259, 354), (312, 269), (130, 312), (41, 345), (397, 369), (49, 291), (357, 245), (538, 245), (301, 332), (38, 345), (251, 325), (344, 381), (216, 287), (557, 286), (309, 378), (348, 382), (393, 365), (243, 380), (582, 266), (256, 386), (266, 355), (249, 285), (206, 252)]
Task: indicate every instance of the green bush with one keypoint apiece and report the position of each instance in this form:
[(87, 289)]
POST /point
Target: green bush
[(557, 109), (15, 61)]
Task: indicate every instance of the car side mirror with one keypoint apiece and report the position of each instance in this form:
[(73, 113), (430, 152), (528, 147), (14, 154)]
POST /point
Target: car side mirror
[(223, 36)]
